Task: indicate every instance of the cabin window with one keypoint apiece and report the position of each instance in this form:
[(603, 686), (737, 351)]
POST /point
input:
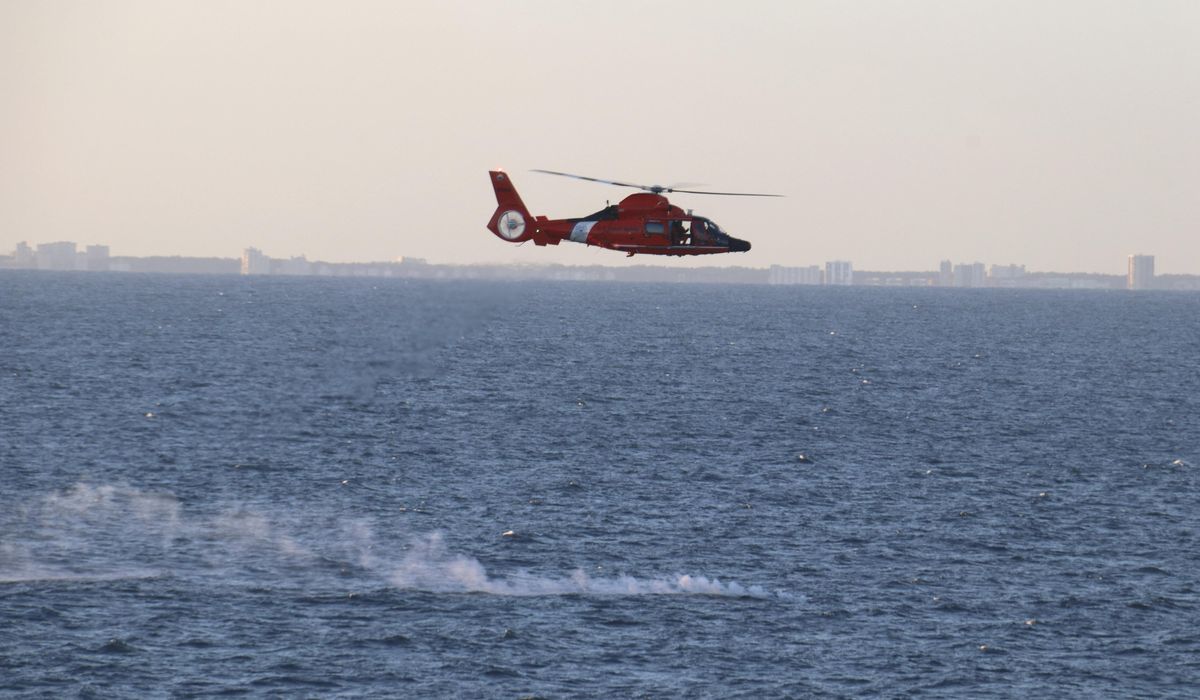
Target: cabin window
[(680, 235), (654, 227)]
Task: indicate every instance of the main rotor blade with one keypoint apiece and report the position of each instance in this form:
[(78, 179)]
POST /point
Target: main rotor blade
[(731, 194), (657, 189), (593, 179)]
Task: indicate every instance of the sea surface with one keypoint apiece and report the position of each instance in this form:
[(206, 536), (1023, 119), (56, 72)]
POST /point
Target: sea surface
[(294, 487)]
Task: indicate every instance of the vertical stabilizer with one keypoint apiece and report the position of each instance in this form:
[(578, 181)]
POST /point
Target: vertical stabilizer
[(511, 220)]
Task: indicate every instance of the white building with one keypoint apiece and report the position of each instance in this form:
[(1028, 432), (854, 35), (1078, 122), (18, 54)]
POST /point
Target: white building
[(946, 274), (24, 257), (779, 274), (839, 272), (56, 256), (96, 258), (1006, 272), (970, 275), (1141, 272), (255, 263), (1005, 275)]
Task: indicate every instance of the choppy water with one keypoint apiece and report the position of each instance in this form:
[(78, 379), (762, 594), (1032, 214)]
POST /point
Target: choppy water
[(297, 487)]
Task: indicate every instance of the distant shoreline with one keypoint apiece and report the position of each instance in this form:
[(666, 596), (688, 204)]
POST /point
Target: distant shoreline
[(774, 276)]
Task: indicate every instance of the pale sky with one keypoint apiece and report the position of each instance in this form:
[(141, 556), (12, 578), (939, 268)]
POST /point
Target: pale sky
[(1060, 135)]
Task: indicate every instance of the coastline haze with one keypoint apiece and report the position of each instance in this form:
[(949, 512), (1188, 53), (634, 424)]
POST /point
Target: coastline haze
[(1062, 137)]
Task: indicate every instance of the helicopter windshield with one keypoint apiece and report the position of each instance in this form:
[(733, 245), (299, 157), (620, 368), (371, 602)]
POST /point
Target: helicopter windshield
[(707, 232)]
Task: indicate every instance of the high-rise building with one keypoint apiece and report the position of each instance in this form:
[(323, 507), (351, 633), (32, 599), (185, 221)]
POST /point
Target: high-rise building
[(255, 263), (24, 257), (96, 258), (56, 256), (1141, 272), (970, 275), (946, 274), (839, 272)]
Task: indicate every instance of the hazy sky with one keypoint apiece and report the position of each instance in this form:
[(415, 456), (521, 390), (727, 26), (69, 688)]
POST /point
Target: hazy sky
[(1062, 135)]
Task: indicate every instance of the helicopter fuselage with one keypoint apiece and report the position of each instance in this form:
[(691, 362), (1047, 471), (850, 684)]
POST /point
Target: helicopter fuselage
[(642, 223)]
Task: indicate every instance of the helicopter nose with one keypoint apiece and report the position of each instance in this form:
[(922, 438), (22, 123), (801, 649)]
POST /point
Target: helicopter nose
[(737, 245)]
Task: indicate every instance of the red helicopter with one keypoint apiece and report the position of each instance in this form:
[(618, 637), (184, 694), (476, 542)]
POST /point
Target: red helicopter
[(644, 222)]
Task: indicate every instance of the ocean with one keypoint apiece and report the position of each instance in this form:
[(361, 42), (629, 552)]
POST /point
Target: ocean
[(301, 487)]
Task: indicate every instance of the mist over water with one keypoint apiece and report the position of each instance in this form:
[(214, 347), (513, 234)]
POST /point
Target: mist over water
[(347, 487)]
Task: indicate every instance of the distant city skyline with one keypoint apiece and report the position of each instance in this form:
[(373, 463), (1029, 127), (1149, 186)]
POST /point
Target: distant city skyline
[(1056, 135), (66, 256), (946, 271)]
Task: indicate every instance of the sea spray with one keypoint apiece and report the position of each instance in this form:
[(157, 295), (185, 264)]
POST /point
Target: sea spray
[(112, 532), (430, 566)]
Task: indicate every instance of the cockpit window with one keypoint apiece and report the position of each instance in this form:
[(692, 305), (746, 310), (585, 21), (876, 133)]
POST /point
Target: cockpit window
[(706, 232)]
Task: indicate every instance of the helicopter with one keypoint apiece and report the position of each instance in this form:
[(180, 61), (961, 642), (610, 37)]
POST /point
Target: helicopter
[(643, 222)]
